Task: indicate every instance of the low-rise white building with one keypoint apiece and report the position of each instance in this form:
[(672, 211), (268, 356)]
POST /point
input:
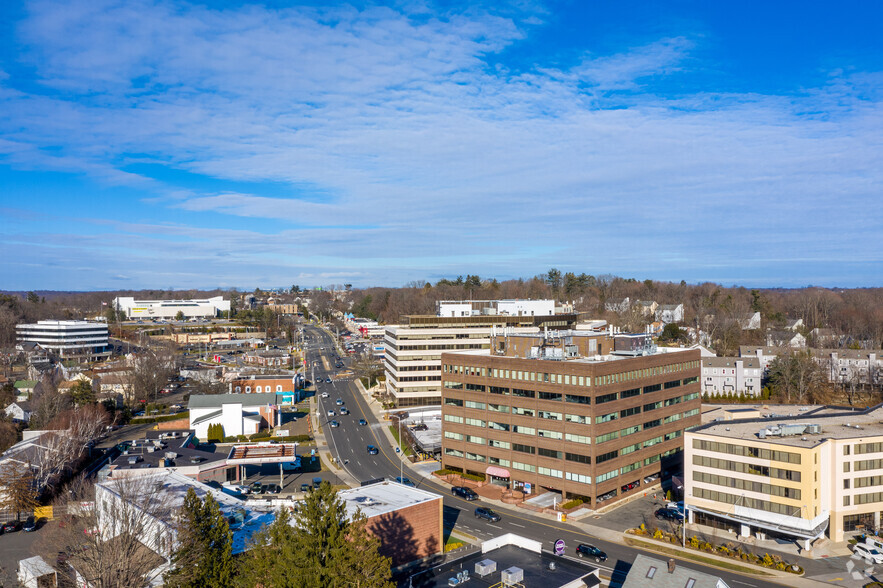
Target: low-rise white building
[(115, 497), (68, 339), (169, 309), (239, 414), (516, 307)]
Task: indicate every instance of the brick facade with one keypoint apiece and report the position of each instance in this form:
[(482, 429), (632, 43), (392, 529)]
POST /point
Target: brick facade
[(587, 429), (409, 533)]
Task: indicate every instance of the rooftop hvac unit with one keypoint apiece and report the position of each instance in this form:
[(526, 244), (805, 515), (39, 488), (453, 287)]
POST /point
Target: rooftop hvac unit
[(485, 567), (512, 575), (814, 429), (171, 455)]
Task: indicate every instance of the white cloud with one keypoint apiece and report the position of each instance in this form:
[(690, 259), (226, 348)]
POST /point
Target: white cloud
[(393, 124)]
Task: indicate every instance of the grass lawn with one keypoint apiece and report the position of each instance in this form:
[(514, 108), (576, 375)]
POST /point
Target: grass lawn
[(395, 433)]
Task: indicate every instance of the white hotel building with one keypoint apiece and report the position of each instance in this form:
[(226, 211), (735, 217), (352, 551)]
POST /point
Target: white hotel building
[(67, 339), (169, 309)]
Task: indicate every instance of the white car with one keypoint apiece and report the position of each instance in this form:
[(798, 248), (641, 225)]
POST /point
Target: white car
[(324, 394), (331, 413), (869, 554)]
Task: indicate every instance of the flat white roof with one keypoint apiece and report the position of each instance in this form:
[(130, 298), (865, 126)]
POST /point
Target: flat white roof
[(383, 497)]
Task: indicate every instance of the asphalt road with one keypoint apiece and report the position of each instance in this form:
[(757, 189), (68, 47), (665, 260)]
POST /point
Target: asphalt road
[(348, 442)]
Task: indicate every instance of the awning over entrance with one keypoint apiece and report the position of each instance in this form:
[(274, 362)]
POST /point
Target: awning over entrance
[(785, 529), (497, 471)]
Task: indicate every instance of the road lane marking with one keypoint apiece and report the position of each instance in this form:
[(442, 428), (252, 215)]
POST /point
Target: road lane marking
[(517, 525)]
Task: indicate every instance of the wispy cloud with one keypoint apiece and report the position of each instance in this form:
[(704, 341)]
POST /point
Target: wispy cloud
[(426, 156)]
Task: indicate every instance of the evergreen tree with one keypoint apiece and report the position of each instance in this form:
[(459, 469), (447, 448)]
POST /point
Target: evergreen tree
[(322, 547), (82, 393), (204, 557)]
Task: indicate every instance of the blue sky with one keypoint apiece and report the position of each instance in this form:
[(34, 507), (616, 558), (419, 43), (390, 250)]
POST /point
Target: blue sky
[(175, 144)]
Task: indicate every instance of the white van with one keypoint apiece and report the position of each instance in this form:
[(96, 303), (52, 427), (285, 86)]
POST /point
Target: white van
[(874, 543)]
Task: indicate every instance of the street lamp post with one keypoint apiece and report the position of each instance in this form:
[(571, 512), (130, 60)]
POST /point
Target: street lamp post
[(401, 452)]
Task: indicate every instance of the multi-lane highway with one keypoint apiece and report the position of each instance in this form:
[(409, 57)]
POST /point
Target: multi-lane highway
[(348, 443)]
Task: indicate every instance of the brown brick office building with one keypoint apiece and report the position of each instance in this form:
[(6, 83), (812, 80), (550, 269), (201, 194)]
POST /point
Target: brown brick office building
[(589, 415)]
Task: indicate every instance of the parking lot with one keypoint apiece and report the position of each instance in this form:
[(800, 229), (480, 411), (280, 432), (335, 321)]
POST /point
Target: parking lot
[(291, 481), (13, 547)]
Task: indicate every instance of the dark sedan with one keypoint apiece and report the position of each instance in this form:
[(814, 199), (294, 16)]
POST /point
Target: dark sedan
[(487, 514), (10, 526), (669, 514), (464, 492)]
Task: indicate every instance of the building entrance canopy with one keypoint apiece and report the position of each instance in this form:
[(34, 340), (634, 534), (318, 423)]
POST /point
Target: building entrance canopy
[(497, 471), (820, 523)]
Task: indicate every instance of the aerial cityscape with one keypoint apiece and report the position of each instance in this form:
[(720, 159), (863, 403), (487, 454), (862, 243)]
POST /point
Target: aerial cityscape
[(433, 294)]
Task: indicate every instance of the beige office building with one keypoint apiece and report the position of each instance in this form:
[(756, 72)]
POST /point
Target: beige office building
[(412, 355), (800, 478)]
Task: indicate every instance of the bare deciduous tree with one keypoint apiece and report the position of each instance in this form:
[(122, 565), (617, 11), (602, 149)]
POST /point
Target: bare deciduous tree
[(110, 538)]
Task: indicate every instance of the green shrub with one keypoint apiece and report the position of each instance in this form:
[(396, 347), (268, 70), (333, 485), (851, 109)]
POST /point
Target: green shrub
[(229, 439), (571, 504)]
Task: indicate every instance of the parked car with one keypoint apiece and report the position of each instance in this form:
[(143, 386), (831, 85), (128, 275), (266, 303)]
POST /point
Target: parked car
[(30, 525), (273, 489), (586, 550), (10, 526), (869, 554), (464, 492), (305, 487), (669, 514), (363, 422), (488, 514), (317, 482), (372, 450), (678, 506), (256, 487), (405, 481)]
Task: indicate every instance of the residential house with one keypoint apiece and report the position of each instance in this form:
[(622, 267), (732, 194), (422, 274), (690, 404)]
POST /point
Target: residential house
[(25, 389), (648, 307), (618, 306), (824, 337), (115, 383), (785, 339), (750, 321), (794, 324), (670, 313), (19, 411)]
